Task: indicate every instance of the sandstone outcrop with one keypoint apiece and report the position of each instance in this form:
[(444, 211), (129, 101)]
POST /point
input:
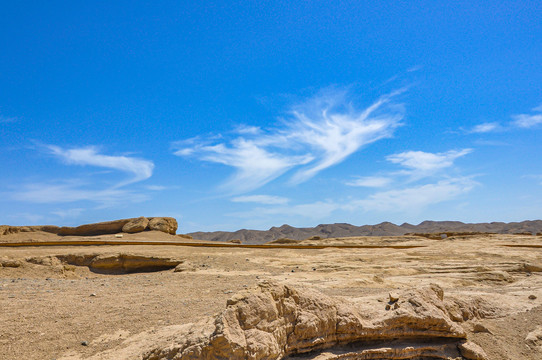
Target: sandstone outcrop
[(136, 225), (111, 263), (102, 228), (164, 224), (7, 229), (277, 321), (133, 225)]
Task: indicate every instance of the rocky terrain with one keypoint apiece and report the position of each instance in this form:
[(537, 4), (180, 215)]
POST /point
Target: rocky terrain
[(382, 229), (154, 295)]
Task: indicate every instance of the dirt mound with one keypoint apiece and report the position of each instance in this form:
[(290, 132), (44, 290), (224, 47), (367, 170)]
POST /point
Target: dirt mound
[(278, 321)]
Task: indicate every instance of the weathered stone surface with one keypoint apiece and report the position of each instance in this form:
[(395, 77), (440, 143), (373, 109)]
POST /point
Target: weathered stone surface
[(276, 321), (471, 351), (164, 224), (7, 229), (102, 228), (120, 262), (534, 338), (6, 262), (136, 225)]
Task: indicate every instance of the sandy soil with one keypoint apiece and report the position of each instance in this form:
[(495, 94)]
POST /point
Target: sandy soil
[(50, 309)]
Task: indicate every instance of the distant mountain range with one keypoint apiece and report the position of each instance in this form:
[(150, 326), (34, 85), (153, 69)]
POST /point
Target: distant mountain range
[(382, 229)]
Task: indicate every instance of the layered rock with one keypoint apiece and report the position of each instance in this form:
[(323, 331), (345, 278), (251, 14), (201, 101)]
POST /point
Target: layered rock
[(101, 228), (133, 225), (8, 229), (278, 321), (111, 263)]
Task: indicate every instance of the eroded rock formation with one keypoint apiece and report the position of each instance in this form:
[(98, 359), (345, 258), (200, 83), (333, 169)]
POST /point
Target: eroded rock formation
[(111, 263), (164, 224), (277, 321), (8, 229)]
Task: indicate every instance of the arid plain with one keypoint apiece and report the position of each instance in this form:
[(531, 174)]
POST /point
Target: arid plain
[(154, 295)]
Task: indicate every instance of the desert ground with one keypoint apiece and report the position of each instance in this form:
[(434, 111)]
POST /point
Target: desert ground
[(124, 300)]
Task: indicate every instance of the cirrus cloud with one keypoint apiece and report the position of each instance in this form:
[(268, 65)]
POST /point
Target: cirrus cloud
[(315, 135), (261, 199), (420, 163), (140, 169)]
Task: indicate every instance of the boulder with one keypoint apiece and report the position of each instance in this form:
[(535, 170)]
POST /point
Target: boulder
[(136, 225), (164, 224), (6, 262)]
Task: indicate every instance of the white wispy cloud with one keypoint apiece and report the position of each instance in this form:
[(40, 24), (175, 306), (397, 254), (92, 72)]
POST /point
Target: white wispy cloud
[(415, 198), (245, 129), (406, 201), (313, 211), (485, 128), (420, 163), (371, 181), (156, 187), (334, 129), (96, 190), (262, 199), (255, 165), (527, 120), (72, 191), (140, 169), (316, 135), (524, 121)]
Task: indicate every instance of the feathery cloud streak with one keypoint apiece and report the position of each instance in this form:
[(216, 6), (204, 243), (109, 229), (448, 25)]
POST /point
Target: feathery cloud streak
[(527, 120), (140, 169), (417, 197), (485, 128), (522, 121), (420, 163), (370, 181), (73, 190), (262, 199), (334, 129), (43, 193), (315, 135)]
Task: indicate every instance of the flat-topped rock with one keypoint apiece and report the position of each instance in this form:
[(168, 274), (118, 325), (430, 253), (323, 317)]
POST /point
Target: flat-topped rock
[(132, 225), (101, 228)]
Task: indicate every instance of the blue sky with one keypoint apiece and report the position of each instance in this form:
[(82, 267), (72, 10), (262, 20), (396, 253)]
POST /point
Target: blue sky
[(230, 115)]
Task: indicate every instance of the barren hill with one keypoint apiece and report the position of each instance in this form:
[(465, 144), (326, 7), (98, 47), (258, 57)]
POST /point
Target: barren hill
[(382, 229)]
